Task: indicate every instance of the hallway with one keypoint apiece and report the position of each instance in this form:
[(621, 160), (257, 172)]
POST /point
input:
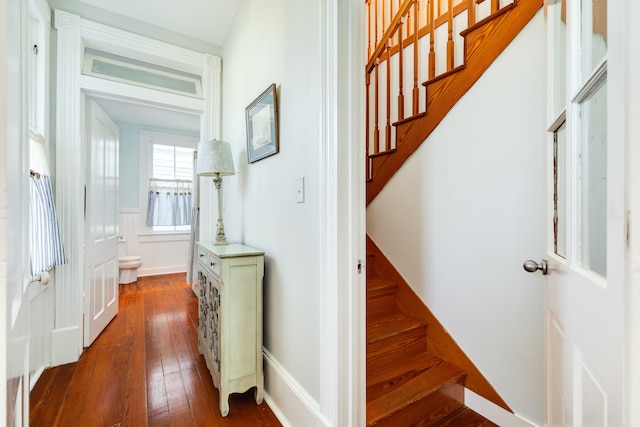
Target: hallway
[(143, 370)]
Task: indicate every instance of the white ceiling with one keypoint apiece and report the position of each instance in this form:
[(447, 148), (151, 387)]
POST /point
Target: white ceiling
[(206, 20), (125, 112)]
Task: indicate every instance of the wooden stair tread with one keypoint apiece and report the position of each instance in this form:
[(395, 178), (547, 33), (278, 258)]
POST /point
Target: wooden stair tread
[(443, 382), (464, 417), (389, 324), (375, 282), (394, 375)]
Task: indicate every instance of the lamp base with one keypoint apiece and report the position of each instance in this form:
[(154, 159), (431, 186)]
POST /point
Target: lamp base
[(221, 239)]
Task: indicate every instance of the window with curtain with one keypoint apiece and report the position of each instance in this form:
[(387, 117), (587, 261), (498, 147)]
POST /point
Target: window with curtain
[(170, 195), (45, 243), (46, 249)]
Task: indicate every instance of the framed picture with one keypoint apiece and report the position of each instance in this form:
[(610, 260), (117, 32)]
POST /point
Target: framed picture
[(262, 126)]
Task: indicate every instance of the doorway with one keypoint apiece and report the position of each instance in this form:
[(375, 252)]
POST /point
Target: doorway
[(75, 35)]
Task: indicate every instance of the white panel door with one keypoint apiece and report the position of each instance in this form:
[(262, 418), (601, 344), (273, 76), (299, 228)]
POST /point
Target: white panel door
[(585, 281), (101, 250)]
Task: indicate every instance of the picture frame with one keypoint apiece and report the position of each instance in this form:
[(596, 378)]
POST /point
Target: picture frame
[(262, 125)]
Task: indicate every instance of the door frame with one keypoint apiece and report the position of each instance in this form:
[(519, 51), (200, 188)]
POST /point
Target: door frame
[(74, 34), (630, 52), (624, 110), (343, 210), (342, 241)]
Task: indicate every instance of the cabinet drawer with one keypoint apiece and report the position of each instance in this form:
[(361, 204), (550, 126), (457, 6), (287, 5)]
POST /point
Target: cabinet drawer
[(210, 261)]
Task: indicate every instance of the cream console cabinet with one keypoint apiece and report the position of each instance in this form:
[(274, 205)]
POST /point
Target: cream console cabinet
[(230, 318)]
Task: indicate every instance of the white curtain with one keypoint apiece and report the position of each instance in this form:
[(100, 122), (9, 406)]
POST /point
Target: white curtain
[(45, 244), (169, 204), (192, 264)]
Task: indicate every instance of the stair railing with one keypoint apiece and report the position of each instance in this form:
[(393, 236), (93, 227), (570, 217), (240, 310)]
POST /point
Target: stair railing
[(409, 43)]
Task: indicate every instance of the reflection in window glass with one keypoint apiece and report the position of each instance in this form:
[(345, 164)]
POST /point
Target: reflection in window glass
[(593, 34), (593, 181), (560, 191)]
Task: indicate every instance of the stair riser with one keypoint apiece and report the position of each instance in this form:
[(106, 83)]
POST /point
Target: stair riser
[(381, 301), (428, 410), (396, 348), (369, 265)]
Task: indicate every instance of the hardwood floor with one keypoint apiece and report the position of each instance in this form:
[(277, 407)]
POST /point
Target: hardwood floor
[(143, 370)]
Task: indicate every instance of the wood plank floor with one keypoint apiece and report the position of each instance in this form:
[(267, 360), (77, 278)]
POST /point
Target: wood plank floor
[(143, 370)]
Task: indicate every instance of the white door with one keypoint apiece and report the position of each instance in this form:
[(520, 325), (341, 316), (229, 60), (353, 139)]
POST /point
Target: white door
[(101, 249), (585, 281)]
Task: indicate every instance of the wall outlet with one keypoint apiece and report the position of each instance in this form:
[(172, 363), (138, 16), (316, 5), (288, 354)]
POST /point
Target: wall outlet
[(300, 190)]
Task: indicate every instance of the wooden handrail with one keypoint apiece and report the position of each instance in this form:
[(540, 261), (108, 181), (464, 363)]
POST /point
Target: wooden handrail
[(424, 30), (391, 29)]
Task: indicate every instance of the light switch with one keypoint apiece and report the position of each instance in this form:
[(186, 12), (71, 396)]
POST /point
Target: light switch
[(300, 190)]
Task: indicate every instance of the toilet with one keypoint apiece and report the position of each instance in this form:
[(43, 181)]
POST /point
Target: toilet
[(127, 264)]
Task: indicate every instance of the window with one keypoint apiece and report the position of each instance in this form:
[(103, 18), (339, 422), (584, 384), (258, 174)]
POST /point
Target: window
[(37, 61), (126, 70), (172, 163), (167, 181), (579, 126)]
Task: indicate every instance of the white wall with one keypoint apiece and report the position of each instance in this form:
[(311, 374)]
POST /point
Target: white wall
[(467, 209), (279, 42)]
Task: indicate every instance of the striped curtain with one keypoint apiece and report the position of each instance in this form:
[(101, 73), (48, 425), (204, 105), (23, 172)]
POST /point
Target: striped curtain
[(45, 243), (192, 265)]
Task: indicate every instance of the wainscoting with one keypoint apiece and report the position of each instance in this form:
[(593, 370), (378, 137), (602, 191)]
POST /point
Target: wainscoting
[(161, 253)]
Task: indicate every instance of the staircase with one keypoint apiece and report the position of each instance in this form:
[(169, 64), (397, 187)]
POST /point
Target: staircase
[(424, 55), (392, 135), (416, 373), (408, 385)]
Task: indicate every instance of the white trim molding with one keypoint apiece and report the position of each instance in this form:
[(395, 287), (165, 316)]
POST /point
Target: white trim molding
[(210, 128), (342, 231), (493, 412), (282, 387), (69, 191), (74, 34)]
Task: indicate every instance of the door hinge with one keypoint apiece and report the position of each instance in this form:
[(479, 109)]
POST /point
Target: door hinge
[(628, 229)]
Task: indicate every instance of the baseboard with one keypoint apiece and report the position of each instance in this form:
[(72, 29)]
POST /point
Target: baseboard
[(493, 412), (34, 377), (130, 211), (162, 270), (65, 345), (288, 400)]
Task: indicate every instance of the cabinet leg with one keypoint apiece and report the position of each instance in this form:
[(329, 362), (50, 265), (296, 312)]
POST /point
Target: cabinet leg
[(259, 394), (224, 404)]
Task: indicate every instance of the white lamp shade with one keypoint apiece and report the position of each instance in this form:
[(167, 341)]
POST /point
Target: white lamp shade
[(214, 157)]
